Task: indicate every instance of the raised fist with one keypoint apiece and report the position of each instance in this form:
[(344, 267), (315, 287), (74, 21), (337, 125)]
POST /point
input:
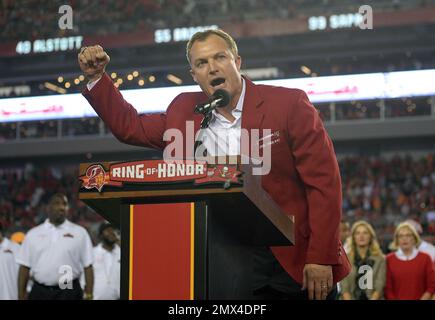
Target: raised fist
[(93, 61)]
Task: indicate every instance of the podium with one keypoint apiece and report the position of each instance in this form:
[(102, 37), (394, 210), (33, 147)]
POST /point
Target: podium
[(188, 236)]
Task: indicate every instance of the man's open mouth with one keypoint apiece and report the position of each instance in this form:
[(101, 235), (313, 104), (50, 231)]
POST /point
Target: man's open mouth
[(217, 81)]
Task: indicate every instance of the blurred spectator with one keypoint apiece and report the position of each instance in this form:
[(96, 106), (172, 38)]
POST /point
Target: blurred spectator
[(107, 265), (367, 261), (18, 237), (431, 222), (410, 273), (424, 246), (8, 268), (345, 234)]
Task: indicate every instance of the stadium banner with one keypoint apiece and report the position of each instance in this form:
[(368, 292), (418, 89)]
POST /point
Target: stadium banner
[(319, 89), (159, 171)]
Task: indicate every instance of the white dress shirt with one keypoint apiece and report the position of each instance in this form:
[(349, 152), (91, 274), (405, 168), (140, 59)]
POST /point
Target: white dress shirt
[(92, 84), (107, 273), (8, 270), (47, 248), (222, 137)]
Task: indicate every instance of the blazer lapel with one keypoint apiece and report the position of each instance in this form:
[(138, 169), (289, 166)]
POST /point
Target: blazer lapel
[(197, 118), (253, 110), (252, 118)]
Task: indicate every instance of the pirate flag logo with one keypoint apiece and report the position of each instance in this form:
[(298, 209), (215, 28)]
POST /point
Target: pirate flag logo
[(96, 177)]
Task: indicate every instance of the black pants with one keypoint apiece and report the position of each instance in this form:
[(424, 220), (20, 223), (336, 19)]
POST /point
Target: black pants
[(272, 282), (43, 292)]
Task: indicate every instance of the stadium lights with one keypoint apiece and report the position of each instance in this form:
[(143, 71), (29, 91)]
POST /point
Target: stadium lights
[(174, 79), (151, 78), (306, 70), (135, 73), (67, 85), (141, 82), (54, 88), (81, 77), (129, 77), (76, 81), (60, 79)]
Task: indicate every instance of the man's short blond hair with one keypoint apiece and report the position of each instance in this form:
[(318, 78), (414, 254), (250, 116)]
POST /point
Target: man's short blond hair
[(203, 35)]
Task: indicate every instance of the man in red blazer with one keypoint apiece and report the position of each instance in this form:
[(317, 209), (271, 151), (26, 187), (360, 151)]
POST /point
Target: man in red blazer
[(304, 179)]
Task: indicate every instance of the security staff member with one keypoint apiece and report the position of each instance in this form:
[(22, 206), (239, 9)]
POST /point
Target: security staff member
[(57, 252)]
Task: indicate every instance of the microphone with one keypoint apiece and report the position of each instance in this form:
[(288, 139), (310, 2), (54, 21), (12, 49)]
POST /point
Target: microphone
[(219, 99)]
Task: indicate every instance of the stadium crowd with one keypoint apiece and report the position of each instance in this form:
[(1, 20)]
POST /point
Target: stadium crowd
[(112, 17), (379, 194), (24, 194), (387, 192), (382, 191)]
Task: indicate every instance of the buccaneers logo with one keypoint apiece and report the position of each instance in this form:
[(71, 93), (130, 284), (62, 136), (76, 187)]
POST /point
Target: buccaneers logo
[(96, 177)]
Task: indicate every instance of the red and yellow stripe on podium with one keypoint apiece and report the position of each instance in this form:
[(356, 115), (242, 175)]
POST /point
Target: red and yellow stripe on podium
[(161, 257)]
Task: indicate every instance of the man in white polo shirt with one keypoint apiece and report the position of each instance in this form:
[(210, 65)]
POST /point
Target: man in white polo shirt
[(57, 252), (8, 268), (107, 265)]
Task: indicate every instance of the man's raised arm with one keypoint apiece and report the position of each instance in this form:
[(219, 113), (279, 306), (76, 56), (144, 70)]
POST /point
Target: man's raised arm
[(120, 116)]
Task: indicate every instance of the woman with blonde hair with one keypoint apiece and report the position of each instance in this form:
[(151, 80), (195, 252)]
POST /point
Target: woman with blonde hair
[(410, 274), (366, 280)]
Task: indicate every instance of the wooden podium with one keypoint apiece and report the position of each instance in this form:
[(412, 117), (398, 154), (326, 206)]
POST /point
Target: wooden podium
[(184, 240)]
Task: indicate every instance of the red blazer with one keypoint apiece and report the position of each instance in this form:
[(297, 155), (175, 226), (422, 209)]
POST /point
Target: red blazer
[(304, 180)]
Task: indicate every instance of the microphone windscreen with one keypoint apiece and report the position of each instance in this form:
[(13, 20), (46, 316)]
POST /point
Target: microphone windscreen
[(224, 95)]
